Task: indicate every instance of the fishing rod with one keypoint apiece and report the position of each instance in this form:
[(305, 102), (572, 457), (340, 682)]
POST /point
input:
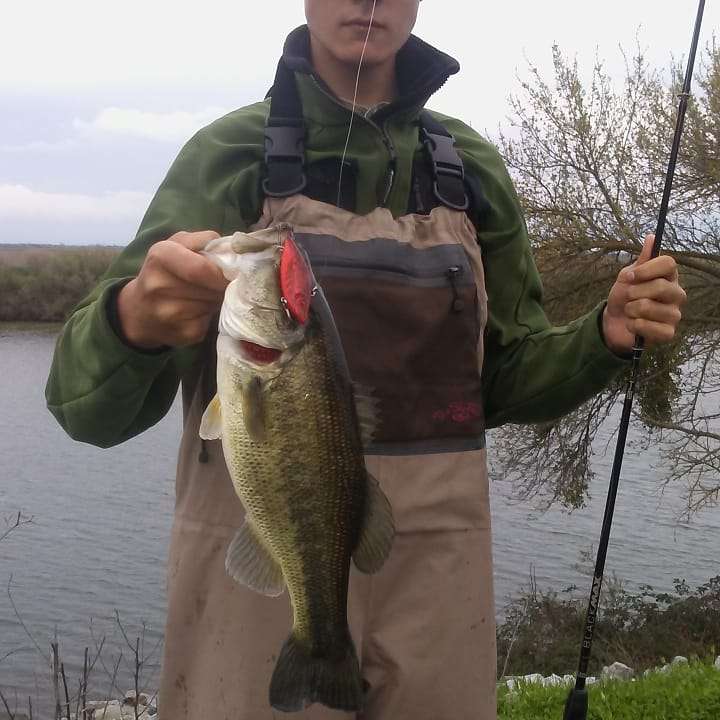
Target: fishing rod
[(576, 706)]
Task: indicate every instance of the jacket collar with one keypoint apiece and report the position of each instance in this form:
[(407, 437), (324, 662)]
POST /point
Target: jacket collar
[(421, 70)]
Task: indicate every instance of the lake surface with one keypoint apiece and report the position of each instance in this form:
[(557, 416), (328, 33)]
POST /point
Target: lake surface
[(101, 522)]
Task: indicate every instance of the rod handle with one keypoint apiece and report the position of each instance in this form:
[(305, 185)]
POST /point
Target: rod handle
[(576, 705)]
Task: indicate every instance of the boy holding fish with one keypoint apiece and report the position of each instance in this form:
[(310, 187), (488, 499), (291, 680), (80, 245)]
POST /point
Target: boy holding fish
[(415, 235)]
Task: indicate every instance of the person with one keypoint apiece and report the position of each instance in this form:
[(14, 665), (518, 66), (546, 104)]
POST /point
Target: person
[(419, 242)]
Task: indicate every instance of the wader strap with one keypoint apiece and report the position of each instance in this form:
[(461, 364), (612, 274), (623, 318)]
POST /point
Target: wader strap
[(285, 138), (285, 148), (447, 167)]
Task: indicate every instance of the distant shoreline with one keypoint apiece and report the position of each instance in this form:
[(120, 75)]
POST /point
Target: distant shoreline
[(19, 326), (43, 283), (58, 246)]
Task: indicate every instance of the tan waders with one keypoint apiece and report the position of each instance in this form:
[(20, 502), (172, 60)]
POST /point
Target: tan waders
[(409, 300)]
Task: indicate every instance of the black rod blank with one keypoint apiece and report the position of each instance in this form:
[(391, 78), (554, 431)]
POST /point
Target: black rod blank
[(576, 706)]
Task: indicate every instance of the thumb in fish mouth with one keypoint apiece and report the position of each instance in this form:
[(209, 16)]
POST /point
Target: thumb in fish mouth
[(227, 252), (260, 239), (253, 406)]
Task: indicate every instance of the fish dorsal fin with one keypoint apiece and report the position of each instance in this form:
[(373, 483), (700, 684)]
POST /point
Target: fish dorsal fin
[(211, 423), (253, 408), (366, 407), (250, 563), (377, 531)]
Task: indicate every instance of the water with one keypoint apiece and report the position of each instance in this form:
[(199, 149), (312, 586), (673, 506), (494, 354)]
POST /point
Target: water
[(101, 522), (99, 536)]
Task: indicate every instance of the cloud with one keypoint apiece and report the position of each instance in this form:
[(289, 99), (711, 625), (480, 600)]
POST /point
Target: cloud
[(169, 127), (21, 202), (41, 147), (173, 127)]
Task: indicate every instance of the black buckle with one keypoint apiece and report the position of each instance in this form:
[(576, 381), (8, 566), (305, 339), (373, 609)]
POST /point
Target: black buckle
[(448, 169), (285, 141), (284, 158)]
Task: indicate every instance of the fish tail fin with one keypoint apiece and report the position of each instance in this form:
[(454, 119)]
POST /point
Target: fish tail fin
[(302, 678)]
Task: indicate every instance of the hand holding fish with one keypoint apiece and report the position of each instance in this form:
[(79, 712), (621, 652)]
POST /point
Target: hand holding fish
[(645, 300), (174, 297)]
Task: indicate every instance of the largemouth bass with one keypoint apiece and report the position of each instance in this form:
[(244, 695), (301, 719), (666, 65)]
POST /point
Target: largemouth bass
[(288, 417)]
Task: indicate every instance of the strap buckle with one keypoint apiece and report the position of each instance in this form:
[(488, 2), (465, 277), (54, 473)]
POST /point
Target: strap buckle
[(284, 157), (448, 170)]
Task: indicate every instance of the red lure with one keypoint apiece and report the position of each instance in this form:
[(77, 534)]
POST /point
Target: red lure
[(296, 280)]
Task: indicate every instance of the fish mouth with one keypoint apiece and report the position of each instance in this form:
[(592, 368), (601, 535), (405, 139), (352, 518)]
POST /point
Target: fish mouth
[(259, 354)]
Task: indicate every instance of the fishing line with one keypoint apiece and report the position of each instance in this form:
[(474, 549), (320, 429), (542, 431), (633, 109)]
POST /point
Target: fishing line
[(354, 102)]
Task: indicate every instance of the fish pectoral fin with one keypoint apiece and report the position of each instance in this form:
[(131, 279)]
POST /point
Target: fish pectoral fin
[(253, 406), (250, 563), (366, 407), (211, 424), (377, 531)]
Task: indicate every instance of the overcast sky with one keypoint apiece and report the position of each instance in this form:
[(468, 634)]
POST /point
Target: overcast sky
[(96, 97)]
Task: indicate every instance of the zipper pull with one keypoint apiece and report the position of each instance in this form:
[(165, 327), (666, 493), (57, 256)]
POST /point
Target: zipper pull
[(389, 181), (453, 274)]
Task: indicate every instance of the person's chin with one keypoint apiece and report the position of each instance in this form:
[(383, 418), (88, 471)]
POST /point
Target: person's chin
[(374, 54)]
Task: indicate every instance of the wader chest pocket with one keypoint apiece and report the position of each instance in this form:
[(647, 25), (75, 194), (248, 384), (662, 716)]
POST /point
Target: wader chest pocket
[(408, 320)]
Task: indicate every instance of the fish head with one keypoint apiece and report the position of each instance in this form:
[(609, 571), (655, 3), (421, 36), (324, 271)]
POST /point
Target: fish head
[(265, 312)]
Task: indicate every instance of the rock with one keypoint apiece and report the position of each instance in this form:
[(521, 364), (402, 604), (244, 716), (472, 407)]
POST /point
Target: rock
[(512, 683), (108, 711), (534, 679), (569, 679), (617, 671), (679, 660), (591, 680), (116, 710), (552, 681), (649, 671), (665, 669), (717, 662), (142, 699)]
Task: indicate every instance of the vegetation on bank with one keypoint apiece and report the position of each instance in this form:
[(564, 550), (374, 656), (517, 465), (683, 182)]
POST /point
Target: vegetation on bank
[(542, 630), (43, 284), (589, 156), (688, 692)]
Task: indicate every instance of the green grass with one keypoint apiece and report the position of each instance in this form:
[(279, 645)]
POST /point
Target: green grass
[(689, 692)]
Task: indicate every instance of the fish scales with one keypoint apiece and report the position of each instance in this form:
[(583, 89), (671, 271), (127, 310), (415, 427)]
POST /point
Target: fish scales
[(305, 487)]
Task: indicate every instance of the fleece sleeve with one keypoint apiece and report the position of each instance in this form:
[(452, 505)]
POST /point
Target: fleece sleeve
[(101, 390)]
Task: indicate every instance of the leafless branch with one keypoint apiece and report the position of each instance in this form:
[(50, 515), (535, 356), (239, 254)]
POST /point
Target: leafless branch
[(15, 523), (11, 714), (65, 687), (45, 657)]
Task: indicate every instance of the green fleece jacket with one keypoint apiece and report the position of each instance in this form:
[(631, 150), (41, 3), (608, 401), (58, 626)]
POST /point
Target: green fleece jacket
[(104, 392)]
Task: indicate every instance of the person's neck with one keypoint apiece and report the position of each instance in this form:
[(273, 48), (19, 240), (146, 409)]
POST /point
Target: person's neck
[(377, 82)]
